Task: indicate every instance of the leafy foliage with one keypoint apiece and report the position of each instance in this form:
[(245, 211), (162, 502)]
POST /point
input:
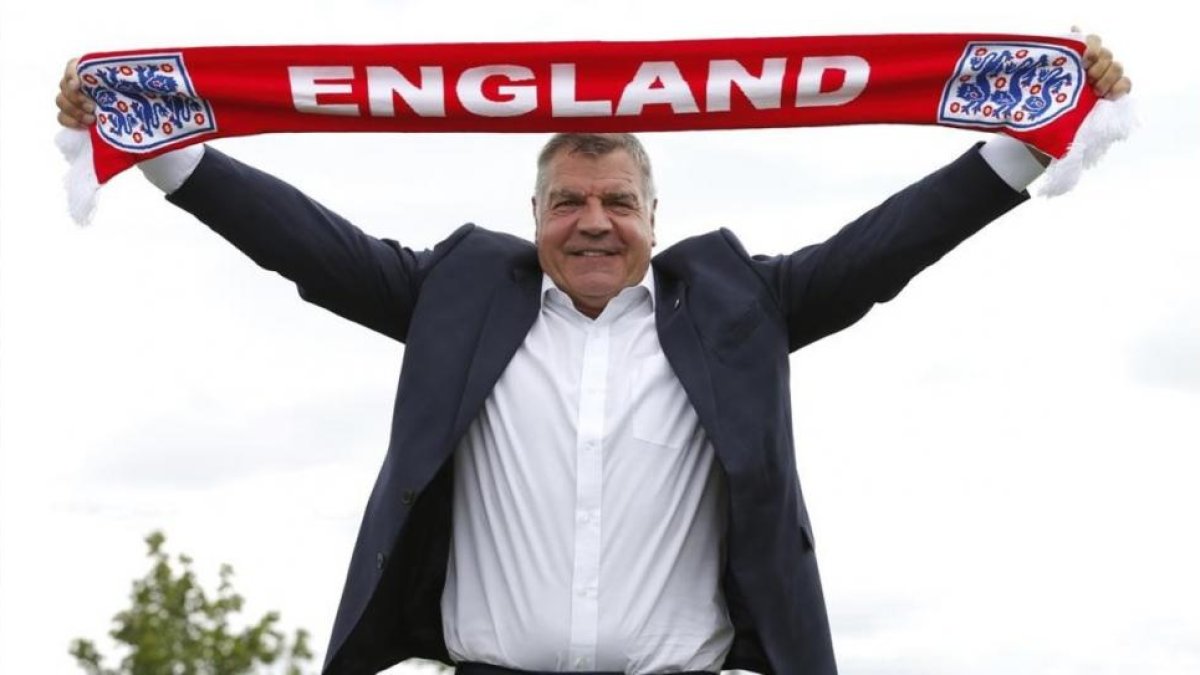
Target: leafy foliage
[(173, 627)]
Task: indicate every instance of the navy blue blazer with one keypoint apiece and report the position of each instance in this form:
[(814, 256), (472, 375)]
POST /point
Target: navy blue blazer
[(726, 320)]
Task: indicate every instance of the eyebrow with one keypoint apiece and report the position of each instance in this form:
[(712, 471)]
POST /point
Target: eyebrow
[(618, 196), (563, 193), (610, 197)]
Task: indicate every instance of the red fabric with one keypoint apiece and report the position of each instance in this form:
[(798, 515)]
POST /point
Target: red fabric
[(249, 90)]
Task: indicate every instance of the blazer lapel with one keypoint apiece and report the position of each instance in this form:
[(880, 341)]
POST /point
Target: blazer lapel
[(510, 315), (682, 347), (513, 310)]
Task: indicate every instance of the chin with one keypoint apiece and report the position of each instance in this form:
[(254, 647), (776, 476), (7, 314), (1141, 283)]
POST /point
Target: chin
[(597, 293), (597, 283)]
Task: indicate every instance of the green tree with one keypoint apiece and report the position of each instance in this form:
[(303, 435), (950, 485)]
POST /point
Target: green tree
[(173, 627)]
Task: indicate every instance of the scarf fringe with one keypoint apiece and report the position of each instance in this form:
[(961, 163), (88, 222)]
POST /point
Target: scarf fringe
[(80, 181), (1107, 123)]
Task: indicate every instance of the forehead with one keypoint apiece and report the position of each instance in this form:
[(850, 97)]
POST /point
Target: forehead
[(585, 172)]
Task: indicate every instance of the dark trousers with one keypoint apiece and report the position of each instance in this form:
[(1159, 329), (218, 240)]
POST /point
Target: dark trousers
[(485, 669)]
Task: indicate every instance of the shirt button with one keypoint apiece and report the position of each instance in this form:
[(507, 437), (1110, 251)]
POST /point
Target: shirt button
[(581, 662)]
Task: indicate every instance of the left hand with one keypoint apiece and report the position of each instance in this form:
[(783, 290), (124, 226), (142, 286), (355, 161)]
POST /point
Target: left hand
[(1105, 75)]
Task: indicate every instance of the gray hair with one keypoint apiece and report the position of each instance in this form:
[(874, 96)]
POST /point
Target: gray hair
[(595, 145)]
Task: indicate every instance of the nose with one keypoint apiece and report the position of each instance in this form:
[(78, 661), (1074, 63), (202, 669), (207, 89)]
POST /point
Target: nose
[(593, 219)]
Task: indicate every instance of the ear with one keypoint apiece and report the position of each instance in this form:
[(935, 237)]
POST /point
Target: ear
[(653, 209)]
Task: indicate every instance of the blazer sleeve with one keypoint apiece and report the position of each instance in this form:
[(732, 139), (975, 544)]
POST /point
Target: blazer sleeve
[(374, 282), (826, 287)]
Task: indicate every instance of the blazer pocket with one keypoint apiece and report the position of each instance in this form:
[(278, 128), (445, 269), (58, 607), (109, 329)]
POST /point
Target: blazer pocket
[(740, 339), (732, 333)]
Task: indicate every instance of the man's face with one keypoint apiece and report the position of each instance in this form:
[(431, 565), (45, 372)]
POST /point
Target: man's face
[(594, 227)]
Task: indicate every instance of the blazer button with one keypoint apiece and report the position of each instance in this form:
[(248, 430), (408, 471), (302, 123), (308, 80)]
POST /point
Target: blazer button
[(677, 303), (380, 558), (408, 497)]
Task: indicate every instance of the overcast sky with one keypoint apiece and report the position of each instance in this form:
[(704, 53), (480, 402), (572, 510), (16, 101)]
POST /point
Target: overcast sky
[(1001, 464)]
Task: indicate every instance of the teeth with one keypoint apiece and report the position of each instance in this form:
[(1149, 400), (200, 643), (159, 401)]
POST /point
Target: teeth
[(593, 253)]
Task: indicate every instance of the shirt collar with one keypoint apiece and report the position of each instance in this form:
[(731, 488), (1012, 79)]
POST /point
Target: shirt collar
[(548, 286)]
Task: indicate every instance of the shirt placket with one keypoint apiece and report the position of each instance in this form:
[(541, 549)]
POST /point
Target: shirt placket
[(588, 485)]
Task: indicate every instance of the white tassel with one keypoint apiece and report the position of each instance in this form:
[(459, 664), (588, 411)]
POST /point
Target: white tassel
[(1107, 123), (81, 183)]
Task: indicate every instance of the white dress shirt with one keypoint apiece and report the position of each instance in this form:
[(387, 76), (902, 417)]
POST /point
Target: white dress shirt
[(588, 507), (588, 527)]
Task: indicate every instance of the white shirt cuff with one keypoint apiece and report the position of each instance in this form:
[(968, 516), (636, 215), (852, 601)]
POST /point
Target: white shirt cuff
[(1012, 161), (169, 171)]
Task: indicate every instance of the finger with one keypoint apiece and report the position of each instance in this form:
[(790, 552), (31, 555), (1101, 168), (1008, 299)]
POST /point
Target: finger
[(70, 78), (1121, 88), (1110, 78), (82, 114), (1094, 50), (82, 101), (72, 89), (1089, 56), (78, 118), (74, 94), (68, 105), (1100, 66), (70, 122), (69, 86)]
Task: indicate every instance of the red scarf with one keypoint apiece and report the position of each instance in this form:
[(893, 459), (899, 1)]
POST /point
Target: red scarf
[(151, 101)]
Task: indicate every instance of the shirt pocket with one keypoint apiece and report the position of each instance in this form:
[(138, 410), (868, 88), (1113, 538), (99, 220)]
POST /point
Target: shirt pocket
[(662, 413)]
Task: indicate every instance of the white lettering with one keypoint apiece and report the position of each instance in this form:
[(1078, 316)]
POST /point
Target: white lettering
[(765, 91), (516, 94), (427, 100), (812, 68), (521, 99), (309, 82), (563, 101), (657, 82)]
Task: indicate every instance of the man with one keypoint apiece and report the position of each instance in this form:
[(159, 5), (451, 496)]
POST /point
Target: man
[(591, 464)]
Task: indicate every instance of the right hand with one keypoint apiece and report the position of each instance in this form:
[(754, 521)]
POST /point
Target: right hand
[(75, 109)]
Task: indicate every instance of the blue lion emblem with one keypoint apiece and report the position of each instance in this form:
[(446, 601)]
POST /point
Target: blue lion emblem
[(145, 102), (979, 91), (1013, 85)]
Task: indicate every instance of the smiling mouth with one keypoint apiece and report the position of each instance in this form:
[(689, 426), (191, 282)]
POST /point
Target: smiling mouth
[(593, 254)]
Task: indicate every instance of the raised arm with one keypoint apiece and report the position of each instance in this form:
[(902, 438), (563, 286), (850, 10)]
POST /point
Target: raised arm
[(828, 286), (374, 282)]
